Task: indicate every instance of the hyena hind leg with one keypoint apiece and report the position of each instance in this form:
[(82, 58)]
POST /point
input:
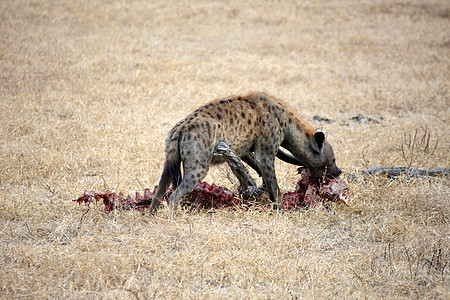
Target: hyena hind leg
[(192, 177)]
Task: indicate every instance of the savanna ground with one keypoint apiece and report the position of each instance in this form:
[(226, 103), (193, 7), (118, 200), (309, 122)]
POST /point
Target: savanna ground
[(90, 89)]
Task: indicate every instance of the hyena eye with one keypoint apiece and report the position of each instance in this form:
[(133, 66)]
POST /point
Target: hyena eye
[(334, 160)]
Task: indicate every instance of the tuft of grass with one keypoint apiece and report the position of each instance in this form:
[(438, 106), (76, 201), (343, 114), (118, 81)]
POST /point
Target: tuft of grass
[(417, 147)]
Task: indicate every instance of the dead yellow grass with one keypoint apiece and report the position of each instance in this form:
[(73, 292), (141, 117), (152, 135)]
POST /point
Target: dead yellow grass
[(90, 89)]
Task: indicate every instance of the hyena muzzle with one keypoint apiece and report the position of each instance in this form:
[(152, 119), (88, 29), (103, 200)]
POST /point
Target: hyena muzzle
[(255, 125)]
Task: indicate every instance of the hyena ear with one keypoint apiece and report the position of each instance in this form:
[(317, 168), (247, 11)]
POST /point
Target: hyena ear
[(317, 141)]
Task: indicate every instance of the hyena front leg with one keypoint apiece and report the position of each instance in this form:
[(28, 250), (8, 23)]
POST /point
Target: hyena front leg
[(250, 160), (267, 166)]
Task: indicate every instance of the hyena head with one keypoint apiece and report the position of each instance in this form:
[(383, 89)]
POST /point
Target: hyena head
[(321, 160)]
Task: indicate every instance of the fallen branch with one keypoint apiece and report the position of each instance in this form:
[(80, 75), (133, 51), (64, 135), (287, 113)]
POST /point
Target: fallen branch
[(397, 171)]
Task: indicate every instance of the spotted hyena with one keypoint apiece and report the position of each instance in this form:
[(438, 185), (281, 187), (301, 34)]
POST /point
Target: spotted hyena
[(255, 125)]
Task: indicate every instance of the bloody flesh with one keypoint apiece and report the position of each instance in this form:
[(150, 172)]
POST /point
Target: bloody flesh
[(308, 193)]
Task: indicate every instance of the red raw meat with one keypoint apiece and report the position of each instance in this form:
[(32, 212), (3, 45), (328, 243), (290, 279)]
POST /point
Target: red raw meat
[(307, 193)]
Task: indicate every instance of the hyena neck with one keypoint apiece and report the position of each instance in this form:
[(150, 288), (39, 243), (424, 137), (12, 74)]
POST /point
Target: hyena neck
[(298, 139)]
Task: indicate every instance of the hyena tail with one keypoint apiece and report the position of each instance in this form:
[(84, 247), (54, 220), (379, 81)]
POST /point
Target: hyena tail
[(173, 165), (171, 172)]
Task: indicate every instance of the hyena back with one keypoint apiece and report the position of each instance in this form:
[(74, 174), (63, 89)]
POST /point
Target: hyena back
[(255, 125)]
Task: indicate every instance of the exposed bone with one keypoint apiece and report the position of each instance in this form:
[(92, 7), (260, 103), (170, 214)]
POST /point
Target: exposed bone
[(248, 188)]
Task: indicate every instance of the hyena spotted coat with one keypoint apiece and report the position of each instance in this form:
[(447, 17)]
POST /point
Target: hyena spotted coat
[(255, 125)]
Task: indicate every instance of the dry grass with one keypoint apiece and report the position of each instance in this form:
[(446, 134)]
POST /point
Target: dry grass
[(89, 90)]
